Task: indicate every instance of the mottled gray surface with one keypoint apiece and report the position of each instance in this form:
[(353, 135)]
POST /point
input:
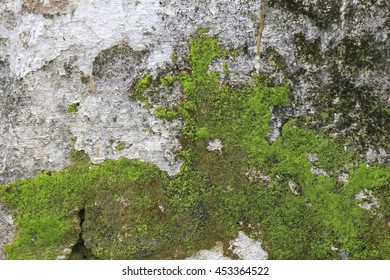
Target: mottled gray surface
[(248, 249), (7, 229), (215, 253), (367, 200), (242, 246)]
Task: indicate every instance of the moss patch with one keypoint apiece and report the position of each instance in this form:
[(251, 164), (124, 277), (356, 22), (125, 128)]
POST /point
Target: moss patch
[(120, 146), (73, 108), (140, 88)]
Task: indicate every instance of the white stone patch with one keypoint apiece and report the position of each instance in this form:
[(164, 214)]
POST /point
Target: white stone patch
[(161, 207), (312, 157), (275, 128), (371, 155), (65, 256), (144, 135), (159, 56), (293, 187), (243, 246), (215, 253), (92, 27), (215, 145), (333, 248), (255, 175), (367, 200), (343, 178), (248, 249), (318, 171)]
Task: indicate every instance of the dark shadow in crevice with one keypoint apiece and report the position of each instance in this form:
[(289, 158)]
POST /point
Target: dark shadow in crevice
[(79, 251)]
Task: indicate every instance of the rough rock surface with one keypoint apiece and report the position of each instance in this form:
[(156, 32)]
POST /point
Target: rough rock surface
[(53, 54), (248, 249), (215, 253), (7, 229), (243, 246), (215, 145), (367, 200)]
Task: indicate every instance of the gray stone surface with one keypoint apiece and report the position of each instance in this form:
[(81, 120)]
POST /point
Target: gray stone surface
[(367, 200), (215, 145), (7, 229), (248, 249), (244, 247), (215, 253)]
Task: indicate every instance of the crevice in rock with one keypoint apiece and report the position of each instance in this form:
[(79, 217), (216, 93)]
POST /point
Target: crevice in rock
[(79, 251)]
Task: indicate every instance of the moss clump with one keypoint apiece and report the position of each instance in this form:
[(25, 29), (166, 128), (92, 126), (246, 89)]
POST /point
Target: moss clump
[(167, 80), (174, 56), (164, 113), (73, 108), (141, 87), (226, 70), (47, 206), (120, 146), (234, 53)]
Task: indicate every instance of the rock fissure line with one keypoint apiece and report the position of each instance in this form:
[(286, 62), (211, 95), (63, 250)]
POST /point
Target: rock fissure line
[(79, 251)]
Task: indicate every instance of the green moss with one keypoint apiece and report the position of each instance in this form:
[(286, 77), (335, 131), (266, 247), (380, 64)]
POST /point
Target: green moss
[(167, 80), (202, 133), (73, 108), (134, 210), (148, 106), (234, 53), (226, 70), (46, 206), (174, 56), (120, 146), (164, 113), (141, 87)]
